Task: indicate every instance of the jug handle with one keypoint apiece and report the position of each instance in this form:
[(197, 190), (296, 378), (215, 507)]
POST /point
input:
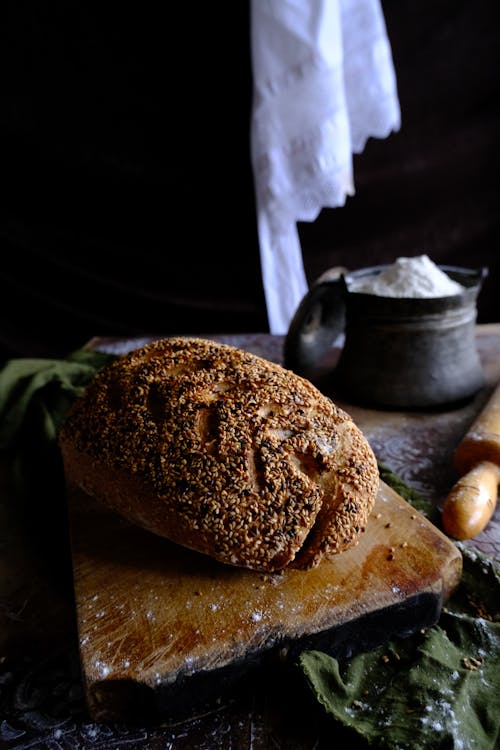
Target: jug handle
[(318, 320)]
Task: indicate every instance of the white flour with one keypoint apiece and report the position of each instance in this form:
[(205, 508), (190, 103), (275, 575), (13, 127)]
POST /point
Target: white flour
[(409, 277)]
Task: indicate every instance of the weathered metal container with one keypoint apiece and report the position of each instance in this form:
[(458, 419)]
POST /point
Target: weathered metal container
[(399, 352)]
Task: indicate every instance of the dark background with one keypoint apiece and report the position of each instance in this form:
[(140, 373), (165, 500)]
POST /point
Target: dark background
[(128, 198)]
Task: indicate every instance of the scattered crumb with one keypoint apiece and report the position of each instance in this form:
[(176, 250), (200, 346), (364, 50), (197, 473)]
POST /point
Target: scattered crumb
[(471, 663)]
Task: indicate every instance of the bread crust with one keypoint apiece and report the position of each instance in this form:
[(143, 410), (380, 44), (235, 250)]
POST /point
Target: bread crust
[(224, 452)]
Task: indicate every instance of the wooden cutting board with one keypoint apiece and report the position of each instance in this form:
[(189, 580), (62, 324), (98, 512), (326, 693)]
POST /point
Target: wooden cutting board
[(164, 630)]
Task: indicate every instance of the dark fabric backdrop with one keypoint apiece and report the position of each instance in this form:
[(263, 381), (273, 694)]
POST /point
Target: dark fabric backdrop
[(128, 198), (130, 207)]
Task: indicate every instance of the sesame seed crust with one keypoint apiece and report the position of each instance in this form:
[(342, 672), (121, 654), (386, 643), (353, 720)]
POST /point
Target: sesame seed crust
[(224, 452)]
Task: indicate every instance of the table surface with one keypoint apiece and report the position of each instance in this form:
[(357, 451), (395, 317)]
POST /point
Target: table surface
[(41, 696)]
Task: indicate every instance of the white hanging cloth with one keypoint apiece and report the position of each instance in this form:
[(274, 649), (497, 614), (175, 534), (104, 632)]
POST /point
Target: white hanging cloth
[(324, 82)]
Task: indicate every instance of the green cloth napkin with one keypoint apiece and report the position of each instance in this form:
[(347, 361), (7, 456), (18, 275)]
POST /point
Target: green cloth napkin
[(437, 690), (45, 385), (35, 395)]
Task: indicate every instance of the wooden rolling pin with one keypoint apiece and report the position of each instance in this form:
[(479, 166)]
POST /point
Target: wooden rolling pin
[(472, 501)]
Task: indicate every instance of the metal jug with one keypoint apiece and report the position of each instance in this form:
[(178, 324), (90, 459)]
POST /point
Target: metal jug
[(398, 352)]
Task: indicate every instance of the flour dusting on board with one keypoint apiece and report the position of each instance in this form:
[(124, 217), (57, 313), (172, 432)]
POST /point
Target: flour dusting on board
[(409, 277)]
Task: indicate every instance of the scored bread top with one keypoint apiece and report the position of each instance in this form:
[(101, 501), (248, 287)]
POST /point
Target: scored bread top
[(224, 452)]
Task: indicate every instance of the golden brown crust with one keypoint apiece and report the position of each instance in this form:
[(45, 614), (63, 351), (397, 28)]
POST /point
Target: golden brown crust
[(224, 452)]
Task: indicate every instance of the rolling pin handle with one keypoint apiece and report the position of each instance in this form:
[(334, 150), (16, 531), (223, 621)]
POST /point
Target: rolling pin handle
[(472, 501)]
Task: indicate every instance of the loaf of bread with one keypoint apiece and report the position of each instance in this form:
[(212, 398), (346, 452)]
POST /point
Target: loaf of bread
[(223, 452)]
